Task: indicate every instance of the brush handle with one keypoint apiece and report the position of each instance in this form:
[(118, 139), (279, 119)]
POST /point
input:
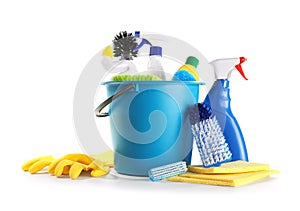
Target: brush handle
[(110, 99)]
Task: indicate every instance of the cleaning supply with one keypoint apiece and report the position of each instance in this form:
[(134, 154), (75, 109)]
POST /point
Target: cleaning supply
[(235, 173), (35, 165), (71, 164), (238, 166), (149, 123), (136, 77), (218, 99), (143, 42), (124, 45), (183, 75), (188, 71), (105, 157), (233, 180), (75, 168), (155, 66), (208, 136), (107, 57), (108, 51), (166, 171)]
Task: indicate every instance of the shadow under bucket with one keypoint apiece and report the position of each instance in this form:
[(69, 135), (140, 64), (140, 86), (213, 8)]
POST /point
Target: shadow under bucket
[(149, 123)]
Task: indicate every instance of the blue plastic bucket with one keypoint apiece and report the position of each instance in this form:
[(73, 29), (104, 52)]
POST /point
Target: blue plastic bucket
[(149, 123)]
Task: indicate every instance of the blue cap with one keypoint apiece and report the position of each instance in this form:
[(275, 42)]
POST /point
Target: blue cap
[(155, 50), (137, 34)]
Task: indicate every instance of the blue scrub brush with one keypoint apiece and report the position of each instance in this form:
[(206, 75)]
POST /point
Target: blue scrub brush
[(166, 171), (208, 136)]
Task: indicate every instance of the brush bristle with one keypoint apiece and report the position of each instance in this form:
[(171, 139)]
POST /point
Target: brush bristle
[(208, 136), (127, 77), (124, 45), (167, 171), (205, 111)]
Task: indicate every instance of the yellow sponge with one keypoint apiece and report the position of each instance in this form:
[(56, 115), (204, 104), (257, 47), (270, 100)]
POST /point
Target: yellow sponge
[(222, 179), (231, 167), (234, 173)]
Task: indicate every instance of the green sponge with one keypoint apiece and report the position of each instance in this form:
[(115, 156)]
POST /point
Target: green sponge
[(127, 77)]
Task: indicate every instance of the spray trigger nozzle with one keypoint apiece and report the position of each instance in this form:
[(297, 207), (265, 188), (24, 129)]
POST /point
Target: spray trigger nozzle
[(239, 67), (142, 43)]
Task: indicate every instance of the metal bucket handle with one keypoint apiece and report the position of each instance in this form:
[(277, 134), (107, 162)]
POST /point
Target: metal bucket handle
[(110, 99)]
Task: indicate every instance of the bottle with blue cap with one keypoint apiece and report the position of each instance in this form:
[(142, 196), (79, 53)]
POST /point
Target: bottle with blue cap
[(155, 66)]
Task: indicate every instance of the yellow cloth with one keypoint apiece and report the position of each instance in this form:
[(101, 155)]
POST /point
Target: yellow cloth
[(233, 174), (231, 167), (222, 179)]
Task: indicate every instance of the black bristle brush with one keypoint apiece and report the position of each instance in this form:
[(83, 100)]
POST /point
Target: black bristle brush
[(123, 46)]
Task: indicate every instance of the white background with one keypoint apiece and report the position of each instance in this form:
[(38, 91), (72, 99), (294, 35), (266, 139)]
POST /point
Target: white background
[(44, 46)]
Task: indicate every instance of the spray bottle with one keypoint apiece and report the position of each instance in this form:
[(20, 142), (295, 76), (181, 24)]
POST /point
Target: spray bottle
[(219, 100), (154, 66)]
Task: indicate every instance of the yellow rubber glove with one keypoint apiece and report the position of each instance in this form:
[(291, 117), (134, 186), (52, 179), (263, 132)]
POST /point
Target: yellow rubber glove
[(72, 164), (67, 161), (37, 164)]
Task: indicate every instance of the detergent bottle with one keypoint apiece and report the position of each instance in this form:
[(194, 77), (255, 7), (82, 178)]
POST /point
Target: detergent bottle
[(219, 100), (188, 71), (155, 66)]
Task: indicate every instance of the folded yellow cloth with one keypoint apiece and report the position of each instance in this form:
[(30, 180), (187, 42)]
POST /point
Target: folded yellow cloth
[(233, 174), (238, 166)]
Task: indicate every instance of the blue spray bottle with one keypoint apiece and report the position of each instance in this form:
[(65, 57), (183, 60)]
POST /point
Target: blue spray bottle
[(219, 100)]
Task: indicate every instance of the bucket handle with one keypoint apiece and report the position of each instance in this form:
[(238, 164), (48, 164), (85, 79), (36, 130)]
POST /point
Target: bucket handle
[(110, 99)]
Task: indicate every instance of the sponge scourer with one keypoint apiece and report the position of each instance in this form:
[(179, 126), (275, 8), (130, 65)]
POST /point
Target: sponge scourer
[(127, 77), (234, 174)]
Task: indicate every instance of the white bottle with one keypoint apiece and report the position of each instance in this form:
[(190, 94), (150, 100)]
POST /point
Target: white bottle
[(155, 66), (124, 67)]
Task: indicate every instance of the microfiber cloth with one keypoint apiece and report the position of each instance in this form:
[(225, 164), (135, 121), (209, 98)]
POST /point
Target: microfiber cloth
[(234, 174)]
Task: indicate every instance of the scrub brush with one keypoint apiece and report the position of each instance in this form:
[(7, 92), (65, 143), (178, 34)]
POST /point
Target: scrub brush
[(166, 171), (124, 45), (208, 136), (127, 77)]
